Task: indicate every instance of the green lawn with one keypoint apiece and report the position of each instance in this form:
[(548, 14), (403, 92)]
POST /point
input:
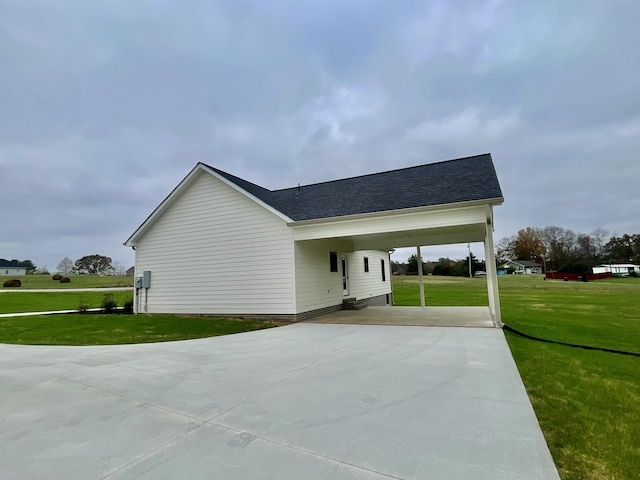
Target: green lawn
[(77, 281), (587, 402), (103, 329), (16, 302)]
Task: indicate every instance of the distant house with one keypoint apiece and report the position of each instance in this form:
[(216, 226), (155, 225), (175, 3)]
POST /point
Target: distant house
[(130, 271), (11, 267), (623, 269), (219, 244), (523, 267)]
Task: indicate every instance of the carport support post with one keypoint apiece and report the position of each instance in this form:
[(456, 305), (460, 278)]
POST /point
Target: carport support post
[(420, 278), (492, 276)]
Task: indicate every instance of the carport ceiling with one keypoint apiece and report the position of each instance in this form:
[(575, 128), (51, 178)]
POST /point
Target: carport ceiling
[(413, 238)]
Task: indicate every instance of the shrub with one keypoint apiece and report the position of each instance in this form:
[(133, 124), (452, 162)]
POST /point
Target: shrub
[(109, 304), (633, 273), (14, 282), (65, 280), (57, 277), (128, 305), (83, 306)]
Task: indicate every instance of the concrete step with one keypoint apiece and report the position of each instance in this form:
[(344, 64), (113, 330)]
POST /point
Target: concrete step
[(353, 304)]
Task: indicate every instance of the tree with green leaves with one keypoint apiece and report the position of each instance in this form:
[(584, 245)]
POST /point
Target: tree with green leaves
[(29, 265), (623, 249), (93, 265), (412, 266)]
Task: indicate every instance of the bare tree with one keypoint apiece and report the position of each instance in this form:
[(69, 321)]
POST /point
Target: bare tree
[(65, 266), (119, 268), (599, 237), (505, 250), (560, 244)]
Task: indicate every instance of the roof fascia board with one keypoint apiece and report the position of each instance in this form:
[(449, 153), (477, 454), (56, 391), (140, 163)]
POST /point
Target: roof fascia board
[(131, 241), (403, 211), (276, 212), (398, 222)]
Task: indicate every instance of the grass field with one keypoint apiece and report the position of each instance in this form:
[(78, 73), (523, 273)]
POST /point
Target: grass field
[(16, 302), (587, 402), (77, 281), (103, 329)]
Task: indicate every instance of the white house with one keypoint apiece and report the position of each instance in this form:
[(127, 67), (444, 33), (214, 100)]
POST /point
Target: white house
[(623, 269), (10, 268), (221, 245), (523, 266)]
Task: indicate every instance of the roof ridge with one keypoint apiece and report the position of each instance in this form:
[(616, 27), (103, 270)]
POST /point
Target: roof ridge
[(379, 173), (227, 174)]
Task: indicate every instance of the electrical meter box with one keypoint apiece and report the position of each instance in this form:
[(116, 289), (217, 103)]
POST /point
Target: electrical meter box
[(138, 283), (146, 279)]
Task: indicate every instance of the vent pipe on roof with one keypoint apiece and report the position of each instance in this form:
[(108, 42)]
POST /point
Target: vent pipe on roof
[(298, 189)]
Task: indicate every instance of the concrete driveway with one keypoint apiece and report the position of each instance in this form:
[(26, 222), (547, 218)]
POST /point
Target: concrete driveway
[(305, 401)]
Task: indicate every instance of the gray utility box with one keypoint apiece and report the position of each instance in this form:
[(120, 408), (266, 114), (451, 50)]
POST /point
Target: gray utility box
[(146, 279)]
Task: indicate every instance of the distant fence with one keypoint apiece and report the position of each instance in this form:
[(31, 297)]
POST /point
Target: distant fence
[(578, 276)]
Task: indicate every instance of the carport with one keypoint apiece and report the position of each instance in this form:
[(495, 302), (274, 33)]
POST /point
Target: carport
[(451, 223)]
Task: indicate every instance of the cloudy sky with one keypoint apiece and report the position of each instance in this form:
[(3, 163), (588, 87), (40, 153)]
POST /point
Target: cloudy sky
[(106, 106)]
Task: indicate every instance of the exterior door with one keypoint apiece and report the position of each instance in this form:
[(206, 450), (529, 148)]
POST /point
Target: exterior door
[(345, 276)]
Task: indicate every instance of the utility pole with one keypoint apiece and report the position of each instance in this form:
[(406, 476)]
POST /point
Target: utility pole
[(470, 272)]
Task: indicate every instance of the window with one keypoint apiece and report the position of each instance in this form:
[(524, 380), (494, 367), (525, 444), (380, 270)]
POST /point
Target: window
[(333, 262), (384, 273), (366, 264)]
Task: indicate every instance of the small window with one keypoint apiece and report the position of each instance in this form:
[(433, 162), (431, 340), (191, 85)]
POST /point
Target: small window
[(333, 262), (384, 273), (366, 264)]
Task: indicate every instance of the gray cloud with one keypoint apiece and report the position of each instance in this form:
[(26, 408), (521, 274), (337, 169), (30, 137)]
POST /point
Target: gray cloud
[(105, 107)]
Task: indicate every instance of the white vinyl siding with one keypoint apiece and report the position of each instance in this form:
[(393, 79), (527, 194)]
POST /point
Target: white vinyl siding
[(363, 285), (316, 286), (216, 251), (13, 271)]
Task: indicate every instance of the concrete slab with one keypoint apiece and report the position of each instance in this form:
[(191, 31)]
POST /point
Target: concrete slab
[(301, 401), (418, 316)]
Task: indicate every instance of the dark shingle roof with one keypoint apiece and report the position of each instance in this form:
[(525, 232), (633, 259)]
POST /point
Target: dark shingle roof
[(527, 263), (460, 180), (9, 263)]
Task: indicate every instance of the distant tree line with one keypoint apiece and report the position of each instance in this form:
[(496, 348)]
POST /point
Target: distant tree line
[(555, 248), (89, 264), (561, 249), (444, 266)]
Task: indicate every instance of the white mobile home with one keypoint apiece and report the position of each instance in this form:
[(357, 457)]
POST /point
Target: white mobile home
[(618, 269), (221, 245)]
